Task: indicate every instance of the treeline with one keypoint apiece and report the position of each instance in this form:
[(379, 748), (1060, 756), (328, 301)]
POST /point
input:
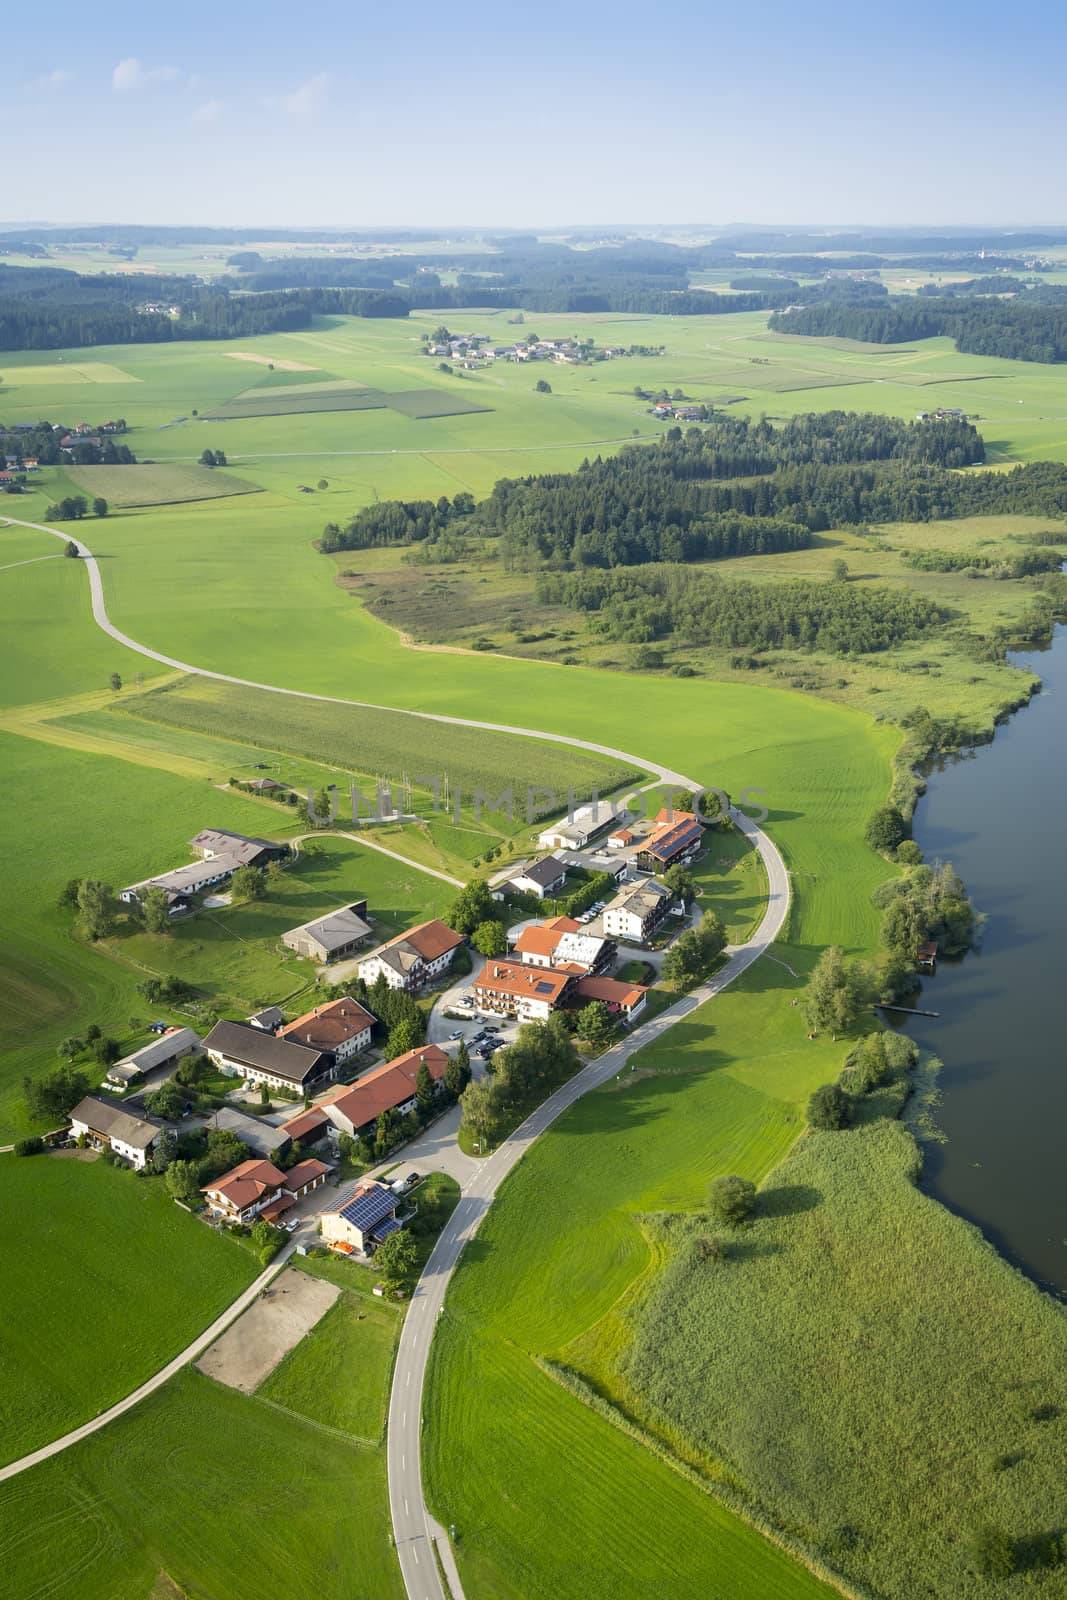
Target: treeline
[(642, 604), (1033, 328), (998, 566), (669, 502)]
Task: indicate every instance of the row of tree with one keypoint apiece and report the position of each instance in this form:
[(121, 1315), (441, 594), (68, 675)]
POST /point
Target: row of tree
[(1031, 326)]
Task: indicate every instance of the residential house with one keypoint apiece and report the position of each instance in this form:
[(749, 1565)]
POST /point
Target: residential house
[(542, 878), (624, 1000), (675, 839), (413, 958), (341, 1026), (361, 1219), (260, 1189), (242, 1051), (165, 1051), (334, 937), (262, 1138), (108, 1125), (390, 1087), (562, 944), (575, 831), (513, 989), (636, 912)]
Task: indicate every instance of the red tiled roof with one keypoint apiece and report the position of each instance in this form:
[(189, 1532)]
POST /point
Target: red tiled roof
[(312, 1121), (388, 1085), (611, 991), (277, 1207), (304, 1172), (432, 939), (516, 978), (538, 940), (673, 836), (242, 1186), (562, 924), (329, 1025)]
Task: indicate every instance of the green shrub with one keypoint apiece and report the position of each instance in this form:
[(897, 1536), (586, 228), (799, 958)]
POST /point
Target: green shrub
[(29, 1147), (829, 1108)]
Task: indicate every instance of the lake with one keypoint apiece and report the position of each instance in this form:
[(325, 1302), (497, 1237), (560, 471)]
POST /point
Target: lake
[(997, 813)]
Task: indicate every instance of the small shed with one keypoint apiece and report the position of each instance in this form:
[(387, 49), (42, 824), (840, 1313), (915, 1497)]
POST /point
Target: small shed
[(926, 956)]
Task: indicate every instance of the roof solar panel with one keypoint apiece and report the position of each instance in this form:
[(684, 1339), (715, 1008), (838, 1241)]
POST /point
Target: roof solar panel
[(543, 987), (364, 1210)]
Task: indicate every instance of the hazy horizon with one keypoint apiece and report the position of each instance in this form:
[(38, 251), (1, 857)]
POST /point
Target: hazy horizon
[(228, 115)]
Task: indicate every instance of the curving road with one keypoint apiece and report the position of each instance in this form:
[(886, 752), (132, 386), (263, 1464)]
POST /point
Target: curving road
[(416, 1533)]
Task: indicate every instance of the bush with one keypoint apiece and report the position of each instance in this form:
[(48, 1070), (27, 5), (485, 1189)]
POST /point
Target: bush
[(992, 1552), (29, 1147), (886, 829), (829, 1108), (731, 1199)]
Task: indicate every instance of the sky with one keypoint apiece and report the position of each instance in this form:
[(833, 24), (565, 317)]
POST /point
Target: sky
[(478, 114)]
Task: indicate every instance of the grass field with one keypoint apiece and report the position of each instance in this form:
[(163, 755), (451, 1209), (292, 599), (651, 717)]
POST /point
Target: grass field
[(898, 1339), (175, 1490), (339, 1372), (104, 1280), (297, 400), (156, 484)]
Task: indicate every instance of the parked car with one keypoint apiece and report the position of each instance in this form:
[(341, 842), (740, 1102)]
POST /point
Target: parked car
[(291, 1227), (457, 1033), (414, 1178)]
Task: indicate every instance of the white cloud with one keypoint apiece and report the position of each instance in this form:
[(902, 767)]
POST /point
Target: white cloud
[(210, 111), (307, 97), (58, 78), (133, 74)]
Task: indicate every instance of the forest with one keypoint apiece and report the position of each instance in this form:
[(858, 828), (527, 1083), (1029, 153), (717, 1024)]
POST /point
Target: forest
[(1032, 326), (675, 501)]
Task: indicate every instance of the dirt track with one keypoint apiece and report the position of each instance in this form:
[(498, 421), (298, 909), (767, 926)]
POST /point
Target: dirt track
[(252, 1347)]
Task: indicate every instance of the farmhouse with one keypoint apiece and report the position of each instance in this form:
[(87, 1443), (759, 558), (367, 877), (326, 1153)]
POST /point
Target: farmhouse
[(636, 912), (220, 853), (260, 1189), (241, 1051), (341, 1026), (269, 1019), (308, 1127), (413, 958), (513, 989), (362, 1219), (541, 878), (625, 1000), (671, 841), (390, 1087), (574, 832), (107, 1125), (212, 843), (333, 937), (162, 1052)]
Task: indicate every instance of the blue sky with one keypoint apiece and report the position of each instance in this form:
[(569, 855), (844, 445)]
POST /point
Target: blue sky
[(528, 115)]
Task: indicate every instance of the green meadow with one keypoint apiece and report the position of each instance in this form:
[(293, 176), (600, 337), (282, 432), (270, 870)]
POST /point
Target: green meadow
[(171, 1500), (339, 1373), (127, 1278)]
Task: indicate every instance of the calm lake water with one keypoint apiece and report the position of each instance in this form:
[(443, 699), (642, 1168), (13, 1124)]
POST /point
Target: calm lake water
[(997, 814)]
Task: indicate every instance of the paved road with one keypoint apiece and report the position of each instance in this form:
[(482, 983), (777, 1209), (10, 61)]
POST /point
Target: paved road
[(100, 617), (190, 1353), (416, 1532)]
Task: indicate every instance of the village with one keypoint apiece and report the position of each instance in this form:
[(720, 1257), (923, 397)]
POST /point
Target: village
[(313, 1110), (470, 351)]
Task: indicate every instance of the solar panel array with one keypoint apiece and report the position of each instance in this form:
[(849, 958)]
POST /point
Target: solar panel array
[(364, 1210)]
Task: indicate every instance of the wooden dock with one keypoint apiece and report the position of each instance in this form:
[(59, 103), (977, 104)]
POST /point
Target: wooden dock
[(909, 1011)]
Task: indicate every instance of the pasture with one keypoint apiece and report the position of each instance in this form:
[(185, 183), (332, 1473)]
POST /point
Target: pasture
[(339, 1373), (173, 1494), (155, 484), (105, 1279)]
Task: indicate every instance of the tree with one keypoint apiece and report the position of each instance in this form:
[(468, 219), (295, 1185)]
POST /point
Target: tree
[(694, 952), (248, 883), (50, 1098), (322, 484), (458, 1071), (68, 897), (839, 571), (168, 1101), (69, 1048), (489, 939), (207, 458), (886, 829), (836, 993), (33, 1146), (105, 1050), (404, 1035), (680, 882), (731, 1199), (595, 1023), (542, 386), (425, 1091), (96, 908), (164, 1151), (99, 506), (71, 550), (473, 905), (155, 911), (991, 1551), (482, 1111), (183, 1181), (396, 1259), (116, 681), (829, 1108), (220, 458)]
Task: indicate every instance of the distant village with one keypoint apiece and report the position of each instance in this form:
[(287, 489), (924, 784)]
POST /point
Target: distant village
[(471, 351)]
